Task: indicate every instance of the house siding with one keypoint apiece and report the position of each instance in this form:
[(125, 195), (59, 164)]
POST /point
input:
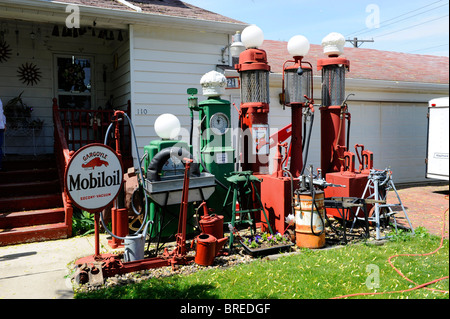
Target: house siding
[(164, 64)]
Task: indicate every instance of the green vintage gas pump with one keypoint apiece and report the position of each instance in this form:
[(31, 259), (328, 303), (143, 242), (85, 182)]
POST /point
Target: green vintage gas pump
[(165, 219), (216, 152)]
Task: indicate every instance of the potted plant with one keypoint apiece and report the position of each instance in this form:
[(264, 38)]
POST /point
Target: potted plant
[(18, 115), (265, 243)]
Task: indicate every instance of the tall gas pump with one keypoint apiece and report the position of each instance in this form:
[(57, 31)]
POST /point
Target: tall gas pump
[(254, 109), (277, 188), (298, 95), (337, 160), (216, 152)]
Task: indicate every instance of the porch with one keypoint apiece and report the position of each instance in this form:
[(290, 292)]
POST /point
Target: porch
[(59, 88)]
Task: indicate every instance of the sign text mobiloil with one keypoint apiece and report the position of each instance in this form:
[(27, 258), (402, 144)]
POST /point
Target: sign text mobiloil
[(93, 177)]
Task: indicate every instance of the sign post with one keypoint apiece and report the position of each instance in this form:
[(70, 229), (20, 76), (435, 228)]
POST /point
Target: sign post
[(92, 180)]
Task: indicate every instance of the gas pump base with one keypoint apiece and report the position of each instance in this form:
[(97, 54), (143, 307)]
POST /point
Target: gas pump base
[(112, 265), (354, 187), (276, 198)]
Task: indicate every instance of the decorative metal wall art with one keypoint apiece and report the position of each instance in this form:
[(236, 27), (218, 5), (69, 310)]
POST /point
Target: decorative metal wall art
[(29, 74), (5, 51)]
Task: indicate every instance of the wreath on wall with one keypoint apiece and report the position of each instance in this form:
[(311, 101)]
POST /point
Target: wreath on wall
[(29, 74), (73, 77)]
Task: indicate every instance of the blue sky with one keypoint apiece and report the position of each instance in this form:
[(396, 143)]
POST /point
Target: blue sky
[(414, 26)]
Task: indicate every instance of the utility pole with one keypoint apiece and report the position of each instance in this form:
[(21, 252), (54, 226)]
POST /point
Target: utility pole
[(357, 43)]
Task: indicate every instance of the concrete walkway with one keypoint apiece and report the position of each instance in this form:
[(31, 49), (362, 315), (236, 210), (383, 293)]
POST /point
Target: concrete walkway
[(38, 270)]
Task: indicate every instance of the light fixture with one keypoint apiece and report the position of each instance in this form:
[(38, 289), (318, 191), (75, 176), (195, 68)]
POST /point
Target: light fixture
[(213, 84), (167, 126), (252, 37), (120, 36), (297, 78), (236, 48), (333, 44), (333, 70), (298, 45)]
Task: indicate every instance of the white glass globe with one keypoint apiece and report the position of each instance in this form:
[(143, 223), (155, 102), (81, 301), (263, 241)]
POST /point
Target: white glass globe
[(298, 45), (167, 126), (252, 36), (333, 44)]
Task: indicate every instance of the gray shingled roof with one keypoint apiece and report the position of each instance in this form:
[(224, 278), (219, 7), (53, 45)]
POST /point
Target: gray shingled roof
[(174, 8)]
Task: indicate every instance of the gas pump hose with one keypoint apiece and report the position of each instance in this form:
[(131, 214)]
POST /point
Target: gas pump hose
[(141, 176), (307, 145)]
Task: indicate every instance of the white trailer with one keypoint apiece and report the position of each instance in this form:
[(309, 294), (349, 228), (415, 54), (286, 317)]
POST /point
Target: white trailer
[(437, 141)]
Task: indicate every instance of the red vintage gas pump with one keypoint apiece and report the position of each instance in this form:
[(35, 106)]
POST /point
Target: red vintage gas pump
[(254, 109), (297, 93), (337, 160), (297, 90)]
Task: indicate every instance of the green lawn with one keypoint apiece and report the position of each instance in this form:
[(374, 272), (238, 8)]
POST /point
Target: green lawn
[(311, 274)]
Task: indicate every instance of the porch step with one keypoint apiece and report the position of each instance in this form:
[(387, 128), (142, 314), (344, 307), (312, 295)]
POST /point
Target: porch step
[(29, 175), (29, 188), (24, 162), (31, 205), (33, 202), (32, 234), (31, 218)]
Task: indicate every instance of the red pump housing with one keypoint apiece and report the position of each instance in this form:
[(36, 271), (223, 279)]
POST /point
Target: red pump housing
[(337, 161), (254, 109)]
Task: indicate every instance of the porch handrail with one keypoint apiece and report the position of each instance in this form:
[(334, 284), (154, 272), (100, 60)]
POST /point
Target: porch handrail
[(62, 153)]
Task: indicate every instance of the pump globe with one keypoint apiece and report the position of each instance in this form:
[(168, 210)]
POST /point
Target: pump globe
[(298, 45), (167, 126), (252, 36), (333, 44)]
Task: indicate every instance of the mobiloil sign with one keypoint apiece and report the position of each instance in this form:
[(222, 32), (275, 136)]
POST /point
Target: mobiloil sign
[(93, 177)]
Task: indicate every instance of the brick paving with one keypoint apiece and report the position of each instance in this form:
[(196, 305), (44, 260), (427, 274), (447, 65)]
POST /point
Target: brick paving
[(425, 206)]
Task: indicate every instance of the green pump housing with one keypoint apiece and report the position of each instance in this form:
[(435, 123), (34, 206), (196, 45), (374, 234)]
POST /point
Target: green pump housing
[(166, 220), (216, 152)]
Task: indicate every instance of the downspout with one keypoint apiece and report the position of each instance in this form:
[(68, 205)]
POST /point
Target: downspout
[(132, 6)]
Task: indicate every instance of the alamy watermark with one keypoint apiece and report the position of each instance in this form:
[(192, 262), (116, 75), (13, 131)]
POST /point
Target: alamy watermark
[(373, 19), (73, 19), (373, 278)]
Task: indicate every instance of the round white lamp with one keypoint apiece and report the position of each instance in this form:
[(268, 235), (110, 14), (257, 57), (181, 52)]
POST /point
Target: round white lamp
[(252, 37), (167, 126), (298, 45), (333, 44)]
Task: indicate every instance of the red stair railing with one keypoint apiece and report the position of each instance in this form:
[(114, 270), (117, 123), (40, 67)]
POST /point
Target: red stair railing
[(74, 128), (62, 154)]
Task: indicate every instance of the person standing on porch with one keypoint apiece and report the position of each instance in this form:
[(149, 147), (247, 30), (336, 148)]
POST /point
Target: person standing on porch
[(2, 132)]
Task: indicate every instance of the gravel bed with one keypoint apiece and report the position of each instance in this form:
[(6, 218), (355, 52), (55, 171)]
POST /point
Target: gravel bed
[(239, 256)]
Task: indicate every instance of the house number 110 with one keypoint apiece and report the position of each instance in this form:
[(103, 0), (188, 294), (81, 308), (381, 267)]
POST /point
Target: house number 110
[(142, 111)]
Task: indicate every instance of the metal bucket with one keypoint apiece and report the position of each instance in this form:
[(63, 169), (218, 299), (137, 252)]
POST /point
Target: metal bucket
[(135, 246), (309, 233)]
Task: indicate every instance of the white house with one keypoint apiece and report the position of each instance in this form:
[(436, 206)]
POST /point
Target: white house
[(149, 52)]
